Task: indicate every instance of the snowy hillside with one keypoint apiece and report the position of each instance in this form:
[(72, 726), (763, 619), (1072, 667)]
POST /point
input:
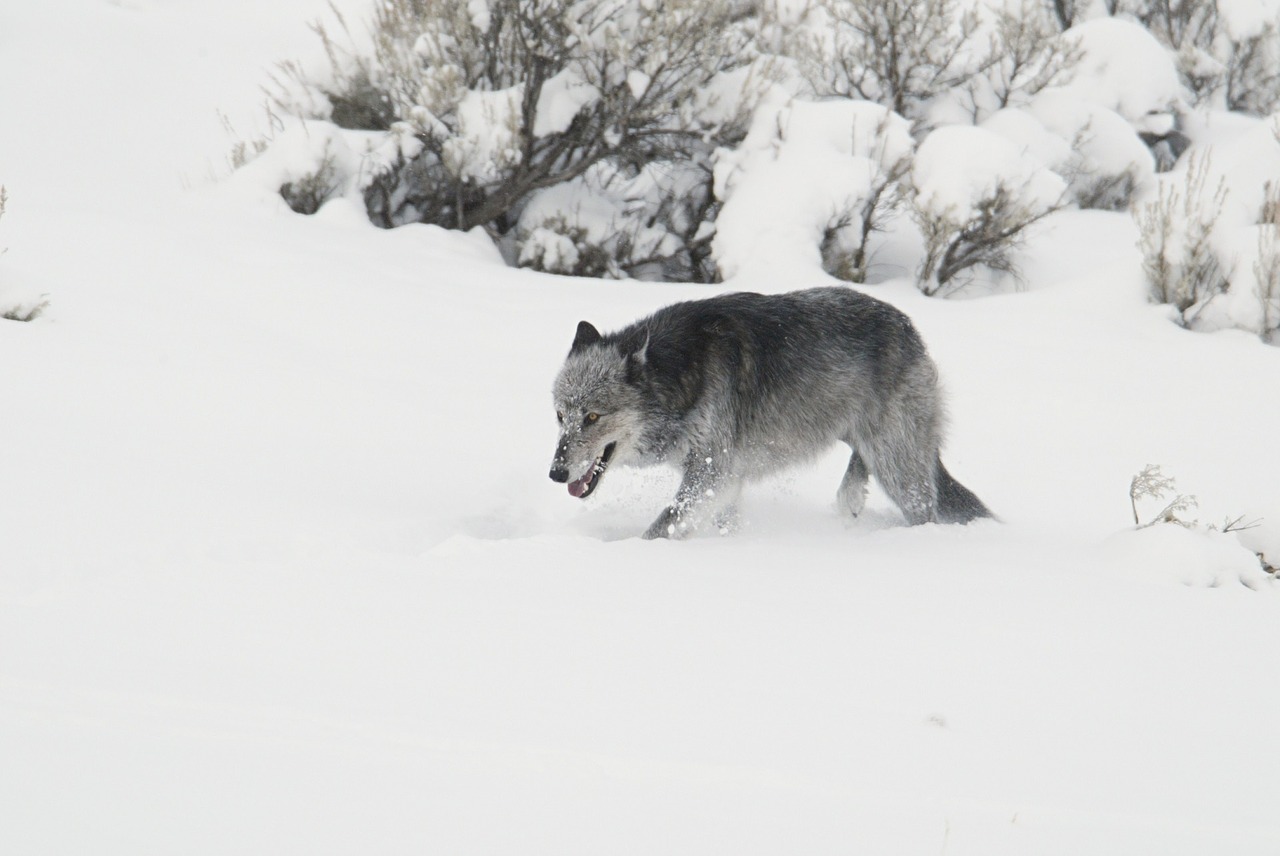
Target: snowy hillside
[(281, 570)]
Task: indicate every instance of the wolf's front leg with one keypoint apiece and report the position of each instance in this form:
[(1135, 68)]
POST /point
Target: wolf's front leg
[(708, 487)]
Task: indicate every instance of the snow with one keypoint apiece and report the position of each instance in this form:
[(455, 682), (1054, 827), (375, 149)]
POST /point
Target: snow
[(486, 140), (560, 100), (1245, 19), (281, 569)]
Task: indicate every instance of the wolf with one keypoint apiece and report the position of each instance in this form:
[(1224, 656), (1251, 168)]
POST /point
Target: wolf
[(734, 387)]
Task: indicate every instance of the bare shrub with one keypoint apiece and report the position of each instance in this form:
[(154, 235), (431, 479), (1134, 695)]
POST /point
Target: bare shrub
[(846, 241), (1175, 236), (974, 195), (1025, 54), (906, 53), (899, 53), (1266, 268), (988, 237), (1252, 77)]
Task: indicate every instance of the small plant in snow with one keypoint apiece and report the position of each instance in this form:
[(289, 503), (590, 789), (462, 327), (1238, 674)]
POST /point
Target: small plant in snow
[(24, 311), (306, 194), (242, 150), (1176, 229), (1151, 483)]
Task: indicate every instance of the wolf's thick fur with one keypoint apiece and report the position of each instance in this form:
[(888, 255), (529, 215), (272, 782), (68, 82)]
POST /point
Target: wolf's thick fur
[(737, 386)]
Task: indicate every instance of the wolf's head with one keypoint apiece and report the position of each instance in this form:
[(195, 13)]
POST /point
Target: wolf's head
[(598, 406)]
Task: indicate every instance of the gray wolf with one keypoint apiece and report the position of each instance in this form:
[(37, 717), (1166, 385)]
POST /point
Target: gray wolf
[(734, 387)]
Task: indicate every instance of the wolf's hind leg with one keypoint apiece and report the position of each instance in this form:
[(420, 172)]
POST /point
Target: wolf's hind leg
[(706, 490), (851, 498), (907, 475)]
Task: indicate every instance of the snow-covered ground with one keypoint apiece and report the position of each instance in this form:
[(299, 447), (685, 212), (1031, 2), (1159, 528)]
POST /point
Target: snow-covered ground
[(281, 570)]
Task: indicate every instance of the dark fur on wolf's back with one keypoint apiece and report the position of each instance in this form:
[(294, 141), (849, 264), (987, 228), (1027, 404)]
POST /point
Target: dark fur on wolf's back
[(733, 387)]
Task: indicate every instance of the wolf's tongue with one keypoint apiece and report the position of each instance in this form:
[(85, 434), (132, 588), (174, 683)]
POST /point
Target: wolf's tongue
[(579, 487)]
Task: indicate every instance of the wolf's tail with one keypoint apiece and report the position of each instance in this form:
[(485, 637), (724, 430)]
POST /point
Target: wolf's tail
[(956, 503)]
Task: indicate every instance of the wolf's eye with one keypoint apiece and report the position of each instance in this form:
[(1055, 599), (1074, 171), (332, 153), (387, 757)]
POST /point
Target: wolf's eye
[(559, 417), (592, 417)]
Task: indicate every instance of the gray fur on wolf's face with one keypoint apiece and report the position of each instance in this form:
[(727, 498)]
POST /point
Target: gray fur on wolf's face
[(598, 420)]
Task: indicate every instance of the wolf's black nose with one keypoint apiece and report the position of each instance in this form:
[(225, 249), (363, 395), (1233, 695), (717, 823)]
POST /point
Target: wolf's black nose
[(560, 474)]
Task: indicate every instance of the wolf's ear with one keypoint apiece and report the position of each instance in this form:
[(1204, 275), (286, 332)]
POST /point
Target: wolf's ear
[(637, 360), (586, 335)]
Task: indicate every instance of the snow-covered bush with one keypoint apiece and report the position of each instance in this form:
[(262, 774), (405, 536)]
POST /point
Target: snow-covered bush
[(484, 104), (1024, 55), (308, 192), (1251, 76), (908, 54), (900, 53), (828, 175), (974, 195), (1124, 68), (647, 223), (1095, 149), (1227, 51), (1209, 236), (308, 164)]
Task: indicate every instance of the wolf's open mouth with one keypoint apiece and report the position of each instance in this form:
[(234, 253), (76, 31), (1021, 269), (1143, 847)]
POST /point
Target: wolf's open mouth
[(583, 487)]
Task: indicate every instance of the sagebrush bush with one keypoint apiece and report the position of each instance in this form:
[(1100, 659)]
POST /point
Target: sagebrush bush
[(974, 195), (846, 241), (486, 104), (905, 54), (1181, 265), (1266, 267), (1224, 59)]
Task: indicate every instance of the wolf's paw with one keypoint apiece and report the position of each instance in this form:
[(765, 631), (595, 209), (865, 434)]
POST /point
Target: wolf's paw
[(668, 525), (728, 521)]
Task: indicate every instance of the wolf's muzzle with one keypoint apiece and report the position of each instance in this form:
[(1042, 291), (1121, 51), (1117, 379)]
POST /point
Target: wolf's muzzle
[(559, 474)]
